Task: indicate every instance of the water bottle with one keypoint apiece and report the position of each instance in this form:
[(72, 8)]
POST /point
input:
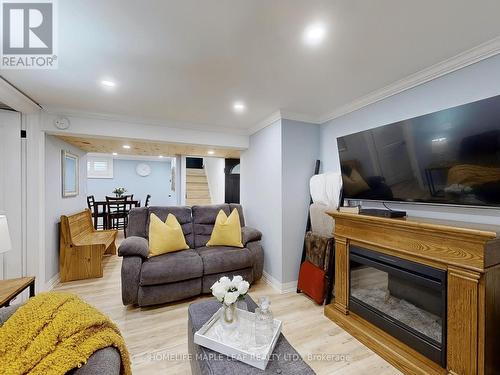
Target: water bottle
[(264, 323)]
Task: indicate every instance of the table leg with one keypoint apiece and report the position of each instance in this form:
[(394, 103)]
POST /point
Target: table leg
[(32, 289)]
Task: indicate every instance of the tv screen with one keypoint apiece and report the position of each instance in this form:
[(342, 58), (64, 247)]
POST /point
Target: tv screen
[(447, 157)]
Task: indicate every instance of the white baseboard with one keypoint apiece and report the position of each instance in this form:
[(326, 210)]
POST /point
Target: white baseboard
[(280, 287), (49, 285)]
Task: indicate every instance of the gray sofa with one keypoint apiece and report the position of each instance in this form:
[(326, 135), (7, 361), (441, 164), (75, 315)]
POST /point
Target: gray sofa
[(187, 273), (106, 361)]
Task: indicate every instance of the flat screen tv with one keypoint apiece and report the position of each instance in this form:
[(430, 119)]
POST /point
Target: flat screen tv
[(446, 157)]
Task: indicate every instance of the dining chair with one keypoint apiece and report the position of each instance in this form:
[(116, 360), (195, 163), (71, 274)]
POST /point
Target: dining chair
[(148, 197), (117, 214), (96, 214)]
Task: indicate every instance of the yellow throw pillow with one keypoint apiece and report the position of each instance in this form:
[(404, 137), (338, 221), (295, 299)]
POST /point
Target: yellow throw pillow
[(165, 237), (227, 230)]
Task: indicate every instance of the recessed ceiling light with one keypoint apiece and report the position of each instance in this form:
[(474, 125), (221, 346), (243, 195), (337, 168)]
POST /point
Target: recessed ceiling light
[(239, 107), (126, 147), (314, 34), (160, 156), (115, 153), (210, 152), (107, 83)]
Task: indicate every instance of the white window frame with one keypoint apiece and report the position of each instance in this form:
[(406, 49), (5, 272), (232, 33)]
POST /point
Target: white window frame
[(92, 172)]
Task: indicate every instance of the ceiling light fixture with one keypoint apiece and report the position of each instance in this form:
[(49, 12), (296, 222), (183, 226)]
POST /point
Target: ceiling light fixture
[(126, 147), (239, 107), (160, 156), (107, 83), (210, 152), (115, 153), (314, 34)]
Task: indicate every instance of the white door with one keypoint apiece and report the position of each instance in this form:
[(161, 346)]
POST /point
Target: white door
[(11, 263), (392, 153)]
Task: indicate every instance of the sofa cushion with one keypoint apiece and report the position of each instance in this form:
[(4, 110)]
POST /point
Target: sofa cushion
[(137, 220), (183, 216), (222, 259), (171, 267)]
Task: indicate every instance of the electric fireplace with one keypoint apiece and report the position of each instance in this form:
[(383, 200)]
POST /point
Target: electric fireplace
[(403, 298)]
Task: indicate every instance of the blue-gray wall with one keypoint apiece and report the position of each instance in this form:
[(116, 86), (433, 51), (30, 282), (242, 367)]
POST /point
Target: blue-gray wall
[(157, 183), (55, 204), (300, 150), (475, 82), (261, 193)]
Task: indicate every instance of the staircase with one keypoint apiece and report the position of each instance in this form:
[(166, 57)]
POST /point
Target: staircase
[(197, 192)]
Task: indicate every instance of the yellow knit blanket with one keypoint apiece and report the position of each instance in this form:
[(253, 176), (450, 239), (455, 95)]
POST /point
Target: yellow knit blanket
[(55, 332)]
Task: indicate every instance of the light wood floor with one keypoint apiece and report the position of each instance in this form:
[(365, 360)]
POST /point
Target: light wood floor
[(157, 336)]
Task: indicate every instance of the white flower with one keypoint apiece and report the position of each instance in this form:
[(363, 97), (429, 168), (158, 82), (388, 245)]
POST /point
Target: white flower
[(237, 280), (216, 284), (218, 290), (231, 297), (225, 281), (243, 287)]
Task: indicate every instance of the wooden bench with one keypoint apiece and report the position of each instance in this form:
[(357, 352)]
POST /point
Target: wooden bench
[(82, 247)]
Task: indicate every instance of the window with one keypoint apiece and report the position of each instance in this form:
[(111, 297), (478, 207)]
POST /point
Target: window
[(235, 169), (99, 167)]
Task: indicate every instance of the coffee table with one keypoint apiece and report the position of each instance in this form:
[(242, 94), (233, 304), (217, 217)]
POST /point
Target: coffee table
[(285, 359)]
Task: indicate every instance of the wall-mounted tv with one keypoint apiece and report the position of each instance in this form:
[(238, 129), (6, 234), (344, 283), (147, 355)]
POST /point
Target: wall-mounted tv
[(446, 157)]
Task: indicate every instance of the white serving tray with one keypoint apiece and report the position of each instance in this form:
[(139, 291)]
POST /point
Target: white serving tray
[(240, 343)]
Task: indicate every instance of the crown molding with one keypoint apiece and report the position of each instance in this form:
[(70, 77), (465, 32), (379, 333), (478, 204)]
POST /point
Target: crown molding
[(282, 115), (469, 57), (65, 112), (15, 99), (269, 120)]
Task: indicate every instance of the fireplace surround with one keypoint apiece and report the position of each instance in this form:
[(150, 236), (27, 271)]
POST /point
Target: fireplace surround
[(464, 260), (405, 299)]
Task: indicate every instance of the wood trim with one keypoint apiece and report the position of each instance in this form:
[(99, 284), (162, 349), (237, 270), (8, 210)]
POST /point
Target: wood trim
[(422, 224), (341, 302), (438, 243), (395, 352), (463, 301)]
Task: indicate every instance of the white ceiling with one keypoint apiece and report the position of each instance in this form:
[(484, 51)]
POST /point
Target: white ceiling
[(186, 61)]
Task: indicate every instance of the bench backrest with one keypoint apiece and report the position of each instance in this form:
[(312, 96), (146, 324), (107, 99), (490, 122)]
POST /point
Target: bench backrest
[(76, 226)]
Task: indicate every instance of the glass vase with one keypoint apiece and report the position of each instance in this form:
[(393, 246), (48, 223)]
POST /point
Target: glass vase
[(229, 317)]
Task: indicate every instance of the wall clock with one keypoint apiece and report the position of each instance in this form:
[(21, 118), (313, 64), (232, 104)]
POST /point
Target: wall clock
[(143, 170)]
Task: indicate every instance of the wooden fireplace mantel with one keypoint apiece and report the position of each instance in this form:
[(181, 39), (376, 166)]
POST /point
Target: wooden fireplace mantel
[(470, 254)]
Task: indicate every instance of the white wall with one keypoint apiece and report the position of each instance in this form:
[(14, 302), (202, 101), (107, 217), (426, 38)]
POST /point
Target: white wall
[(261, 196), (11, 263), (469, 84), (55, 204), (214, 169), (300, 150)]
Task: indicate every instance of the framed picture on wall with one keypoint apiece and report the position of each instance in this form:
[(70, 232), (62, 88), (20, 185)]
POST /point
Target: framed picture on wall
[(69, 174)]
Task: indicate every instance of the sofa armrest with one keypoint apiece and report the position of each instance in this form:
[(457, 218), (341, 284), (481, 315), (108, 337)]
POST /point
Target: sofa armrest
[(134, 246), (250, 235)]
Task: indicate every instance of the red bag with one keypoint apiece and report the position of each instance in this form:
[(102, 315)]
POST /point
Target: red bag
[(312, 281)]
